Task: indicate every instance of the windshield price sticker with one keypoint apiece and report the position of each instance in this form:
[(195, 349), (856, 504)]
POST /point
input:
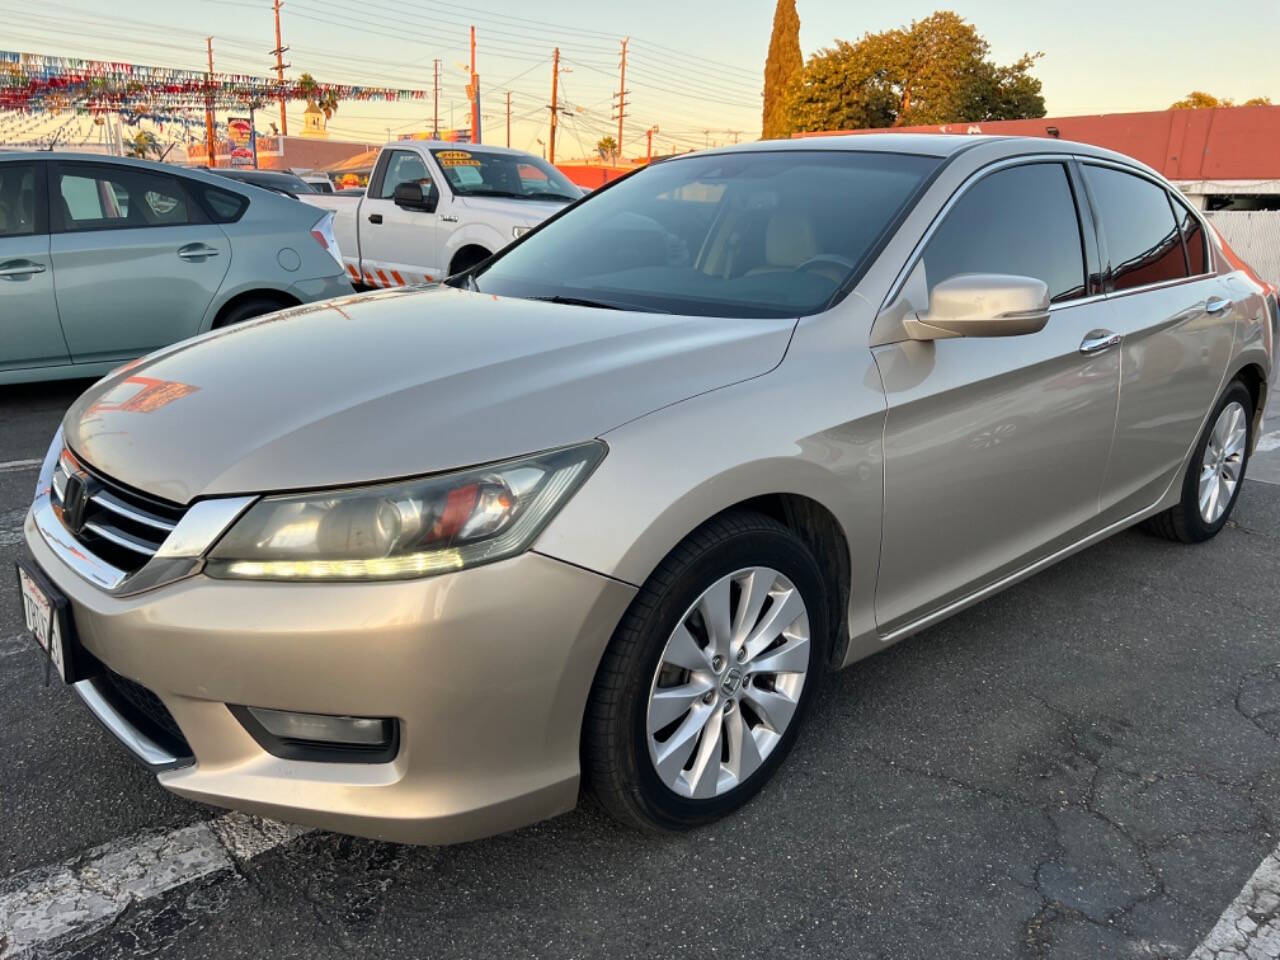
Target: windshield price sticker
[(456, 158)]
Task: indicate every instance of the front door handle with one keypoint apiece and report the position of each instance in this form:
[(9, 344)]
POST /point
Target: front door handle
[(1216, 305), (1096, 341), (16, 269), (197, 251), (375, 218)]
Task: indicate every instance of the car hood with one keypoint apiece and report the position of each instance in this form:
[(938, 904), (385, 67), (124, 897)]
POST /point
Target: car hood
[(528, 212), (394, 384)]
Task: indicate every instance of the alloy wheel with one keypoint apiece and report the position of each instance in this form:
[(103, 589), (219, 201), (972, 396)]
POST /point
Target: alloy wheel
[(728, 683), (1223, 463)]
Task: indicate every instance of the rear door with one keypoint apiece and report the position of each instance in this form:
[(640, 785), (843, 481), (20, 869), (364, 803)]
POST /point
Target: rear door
[(1177, 319), (995, 447), (30, 335), (136, 262), (397, 245)]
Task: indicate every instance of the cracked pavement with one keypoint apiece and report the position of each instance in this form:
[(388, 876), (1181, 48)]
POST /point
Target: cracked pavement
[(1085, 766)]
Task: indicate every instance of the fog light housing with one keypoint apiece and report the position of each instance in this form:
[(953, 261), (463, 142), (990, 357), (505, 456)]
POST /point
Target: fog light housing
[(321, 737)]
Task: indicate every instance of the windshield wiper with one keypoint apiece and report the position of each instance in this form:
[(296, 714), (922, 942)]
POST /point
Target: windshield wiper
[(601, 304)]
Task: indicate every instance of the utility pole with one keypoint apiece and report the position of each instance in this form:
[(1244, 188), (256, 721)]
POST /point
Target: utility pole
[(473, 92), (622, 99), (208, 109), (555, 92), (508, 118), (648, 152), (280, 65), (435, 99)]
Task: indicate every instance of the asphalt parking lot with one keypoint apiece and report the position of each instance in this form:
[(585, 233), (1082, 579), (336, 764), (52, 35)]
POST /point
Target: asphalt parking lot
[(1087, 765)]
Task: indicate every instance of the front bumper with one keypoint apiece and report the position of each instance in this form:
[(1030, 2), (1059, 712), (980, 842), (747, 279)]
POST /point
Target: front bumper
[(487, 670)]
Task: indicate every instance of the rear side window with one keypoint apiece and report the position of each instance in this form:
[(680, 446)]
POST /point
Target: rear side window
[(1143, 241), (1022, 221), (105, 198), (224, 206), (1193, 236), (17, 199)]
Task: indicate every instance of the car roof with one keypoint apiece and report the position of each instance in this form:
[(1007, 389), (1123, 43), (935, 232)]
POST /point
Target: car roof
[(929, 144), (204, 175)]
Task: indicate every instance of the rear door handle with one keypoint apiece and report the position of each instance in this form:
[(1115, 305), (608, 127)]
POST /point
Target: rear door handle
[(375, 218), (1216, 305), (197, 251), (16, 269), (1096, 341)]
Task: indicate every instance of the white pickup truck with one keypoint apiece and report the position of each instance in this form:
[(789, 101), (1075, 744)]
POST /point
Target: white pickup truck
[(433, 209)]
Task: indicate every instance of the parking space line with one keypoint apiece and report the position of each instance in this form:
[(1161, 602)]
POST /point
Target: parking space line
[(89, 891), (1250, 927), (11, 466)]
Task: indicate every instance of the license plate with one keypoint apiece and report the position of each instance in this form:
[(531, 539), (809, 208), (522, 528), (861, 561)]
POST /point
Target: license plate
[(46, 620)]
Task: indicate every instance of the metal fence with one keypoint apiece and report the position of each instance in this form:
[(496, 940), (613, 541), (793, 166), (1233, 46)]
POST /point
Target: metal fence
[(1255, 236)]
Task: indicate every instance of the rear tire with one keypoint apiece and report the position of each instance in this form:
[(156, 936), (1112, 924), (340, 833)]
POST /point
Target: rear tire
[(1221, 453), (247, 310), (747, 701)]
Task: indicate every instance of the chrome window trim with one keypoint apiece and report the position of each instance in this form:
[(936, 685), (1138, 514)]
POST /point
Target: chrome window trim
[(1156, 180), (180, 555), (1063, 159)]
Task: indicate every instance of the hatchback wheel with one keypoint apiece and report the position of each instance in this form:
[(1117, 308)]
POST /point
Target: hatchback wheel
[(1214, 475), (705, 683)]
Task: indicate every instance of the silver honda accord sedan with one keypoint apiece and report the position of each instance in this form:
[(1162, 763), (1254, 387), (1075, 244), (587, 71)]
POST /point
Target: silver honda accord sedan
[(603, 511)]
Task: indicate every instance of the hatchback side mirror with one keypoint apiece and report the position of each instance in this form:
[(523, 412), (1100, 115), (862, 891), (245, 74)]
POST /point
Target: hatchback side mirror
[(982, 305), (409, 195)]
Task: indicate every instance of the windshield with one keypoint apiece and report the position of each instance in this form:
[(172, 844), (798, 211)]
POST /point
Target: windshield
[(770, 234), (479, 173)]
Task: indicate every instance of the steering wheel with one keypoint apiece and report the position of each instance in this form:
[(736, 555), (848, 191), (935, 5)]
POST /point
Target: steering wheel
[(825, 258)]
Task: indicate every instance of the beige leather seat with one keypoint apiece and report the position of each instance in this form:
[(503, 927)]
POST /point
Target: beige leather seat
[(789, 241)]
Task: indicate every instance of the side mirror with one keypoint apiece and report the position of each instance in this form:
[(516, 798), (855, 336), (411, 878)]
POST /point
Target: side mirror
[(982, 305), (410, 196)]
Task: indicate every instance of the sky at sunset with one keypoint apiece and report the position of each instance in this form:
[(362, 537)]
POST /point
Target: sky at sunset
[(694, 68)]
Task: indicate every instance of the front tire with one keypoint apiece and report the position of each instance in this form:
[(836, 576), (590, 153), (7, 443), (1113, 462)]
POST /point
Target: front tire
[(707, 679), (1215, 473)]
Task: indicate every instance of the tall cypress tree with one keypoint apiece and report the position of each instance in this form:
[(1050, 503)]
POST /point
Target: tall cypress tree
[(783, 65)]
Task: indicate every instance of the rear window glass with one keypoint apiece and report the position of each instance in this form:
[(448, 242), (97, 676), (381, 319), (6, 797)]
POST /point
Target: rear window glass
[(1193, 235)]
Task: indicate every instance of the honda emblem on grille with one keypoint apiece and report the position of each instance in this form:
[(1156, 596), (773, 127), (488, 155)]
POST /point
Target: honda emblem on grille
[(75, 498)]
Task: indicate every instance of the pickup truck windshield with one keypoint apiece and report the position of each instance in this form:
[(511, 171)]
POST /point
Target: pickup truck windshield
[(480, 173), (767, 234)]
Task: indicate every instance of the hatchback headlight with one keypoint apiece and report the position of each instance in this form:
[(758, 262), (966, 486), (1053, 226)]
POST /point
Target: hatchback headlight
[(413, 528)]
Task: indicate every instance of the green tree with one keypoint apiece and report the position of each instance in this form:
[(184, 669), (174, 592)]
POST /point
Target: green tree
[(1199, 100), (322, 97), (607, 148), (1257, 102), (935, 71), (784, 64), (143, 145)]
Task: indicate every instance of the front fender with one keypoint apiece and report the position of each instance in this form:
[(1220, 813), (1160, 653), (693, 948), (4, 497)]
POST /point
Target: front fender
[(475, 234)]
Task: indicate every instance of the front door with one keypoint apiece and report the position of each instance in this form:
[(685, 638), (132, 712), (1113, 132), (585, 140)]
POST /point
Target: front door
[(30, 335), (136, 263), (1177, 320), (398, 245), (995, 447)]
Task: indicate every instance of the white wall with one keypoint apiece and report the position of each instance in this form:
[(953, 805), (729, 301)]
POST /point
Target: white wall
[(1254, 235)]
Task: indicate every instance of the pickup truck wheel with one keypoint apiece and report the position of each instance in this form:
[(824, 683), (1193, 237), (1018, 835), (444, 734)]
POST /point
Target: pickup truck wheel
[(466, 258)]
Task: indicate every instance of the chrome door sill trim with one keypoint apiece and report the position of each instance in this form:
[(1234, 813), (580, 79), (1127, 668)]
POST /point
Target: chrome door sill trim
[(1010, 579)]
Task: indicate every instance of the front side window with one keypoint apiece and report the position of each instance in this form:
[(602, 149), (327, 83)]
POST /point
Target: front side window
[(1143, 240), (94, 198), (403, 166), (17, 199), (1021, 221), (767, 234), (481, 173)]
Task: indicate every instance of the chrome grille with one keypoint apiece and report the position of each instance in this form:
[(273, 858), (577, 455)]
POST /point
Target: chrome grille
[(119, 526)]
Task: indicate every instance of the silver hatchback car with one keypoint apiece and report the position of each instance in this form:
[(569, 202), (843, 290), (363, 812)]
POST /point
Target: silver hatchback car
[(417, 564), (103, 259)]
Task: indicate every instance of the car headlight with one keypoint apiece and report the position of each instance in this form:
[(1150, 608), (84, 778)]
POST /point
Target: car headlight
[(413, 528)]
